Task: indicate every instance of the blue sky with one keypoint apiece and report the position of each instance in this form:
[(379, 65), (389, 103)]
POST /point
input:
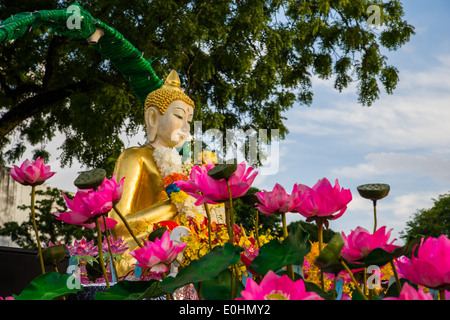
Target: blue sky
[(402, 139)]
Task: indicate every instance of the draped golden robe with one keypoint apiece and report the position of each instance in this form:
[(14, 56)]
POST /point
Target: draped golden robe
[(144, 200)]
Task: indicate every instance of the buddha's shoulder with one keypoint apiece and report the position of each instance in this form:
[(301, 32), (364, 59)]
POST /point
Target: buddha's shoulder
[(139, 152)]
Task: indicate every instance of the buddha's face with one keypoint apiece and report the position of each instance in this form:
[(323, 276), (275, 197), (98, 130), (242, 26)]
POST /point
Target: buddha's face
[(172, 128)]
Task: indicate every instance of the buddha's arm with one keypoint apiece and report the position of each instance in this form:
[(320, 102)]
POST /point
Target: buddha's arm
[(142, 203), (142, 221)]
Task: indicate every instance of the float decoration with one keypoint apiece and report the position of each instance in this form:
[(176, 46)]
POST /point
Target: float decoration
[(111, 44), (219, 272)]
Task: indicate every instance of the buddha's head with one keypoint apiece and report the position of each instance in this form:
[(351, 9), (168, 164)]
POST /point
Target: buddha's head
[(168, 114)]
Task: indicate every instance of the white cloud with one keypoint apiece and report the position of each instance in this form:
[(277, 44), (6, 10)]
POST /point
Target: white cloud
[(414, 117), (403, 138), (377, 164)]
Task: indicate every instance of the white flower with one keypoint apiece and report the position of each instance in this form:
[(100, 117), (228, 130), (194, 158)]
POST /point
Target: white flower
[(168, 161)]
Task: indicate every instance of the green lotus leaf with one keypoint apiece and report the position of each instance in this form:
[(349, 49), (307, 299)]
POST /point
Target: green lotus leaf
[(47, 286), (158, 233), (219, 288), (131, 290), (380, 257), (205, 268), (275, 254), (392, 291), (312, 287), (329, 258), (408, 248)]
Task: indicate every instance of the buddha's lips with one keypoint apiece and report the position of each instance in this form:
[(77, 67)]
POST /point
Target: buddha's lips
[(179, 136)]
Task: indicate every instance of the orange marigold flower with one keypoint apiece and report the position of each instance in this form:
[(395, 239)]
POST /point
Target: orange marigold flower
[(174, 177)]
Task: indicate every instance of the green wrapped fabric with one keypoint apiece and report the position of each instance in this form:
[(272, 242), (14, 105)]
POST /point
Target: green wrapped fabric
[(128, 60), (112, 45)]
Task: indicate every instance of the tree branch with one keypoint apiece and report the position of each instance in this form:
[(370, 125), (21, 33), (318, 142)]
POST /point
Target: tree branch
[(51, 60), (35, 105)]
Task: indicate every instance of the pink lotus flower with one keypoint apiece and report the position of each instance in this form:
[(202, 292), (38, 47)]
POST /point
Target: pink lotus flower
[(322, 200), (82, 248), (250, 252), (278, 200), (431, 267), (7, 298), (158, 254), (117, 245), (87, 206), (360, 242), (273, 287), (409, 293), (208, 190), (31, 173), (112, 188)]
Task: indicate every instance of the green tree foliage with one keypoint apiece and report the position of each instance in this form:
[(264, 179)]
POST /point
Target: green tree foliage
[(49, 228), (243, 62), (312, 230), (431, 222), (245, 212)]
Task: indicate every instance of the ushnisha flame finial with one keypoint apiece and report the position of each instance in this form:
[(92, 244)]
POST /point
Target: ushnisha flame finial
[(168, 93)]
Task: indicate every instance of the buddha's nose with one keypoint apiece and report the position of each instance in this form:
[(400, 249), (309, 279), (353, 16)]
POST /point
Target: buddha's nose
[(186, 127)]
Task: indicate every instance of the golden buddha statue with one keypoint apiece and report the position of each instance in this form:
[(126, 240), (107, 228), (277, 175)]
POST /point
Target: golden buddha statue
[(168, 114)]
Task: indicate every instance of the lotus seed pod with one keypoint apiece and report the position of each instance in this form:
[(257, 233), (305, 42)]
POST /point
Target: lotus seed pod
[(222, 171), (374, 191), (54, 254), (90, 179)]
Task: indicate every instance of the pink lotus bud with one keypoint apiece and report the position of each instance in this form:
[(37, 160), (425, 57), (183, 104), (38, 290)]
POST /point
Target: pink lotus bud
[(31, 173)]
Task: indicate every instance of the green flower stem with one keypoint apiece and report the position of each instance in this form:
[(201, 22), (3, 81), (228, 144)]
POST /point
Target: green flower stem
[(375, 215), (199, 291), (227, 222), (230, 222), (127, 225), (236, 284), (365, 281), (33, 218), (320, 238), (256, 229), (283, 220), (289, 269), (100, 251), (208, 215), (110, 251), (397, 280), (441, 294), (169, 296), (230, 227), (354, 280)]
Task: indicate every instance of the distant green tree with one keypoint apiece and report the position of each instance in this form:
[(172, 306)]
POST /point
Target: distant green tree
[(246, 217), (243, 62), (245, 212), (49, 228), (431, 222), (312, 229)]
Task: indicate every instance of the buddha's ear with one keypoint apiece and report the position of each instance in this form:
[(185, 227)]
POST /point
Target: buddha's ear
[(151, 121)]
